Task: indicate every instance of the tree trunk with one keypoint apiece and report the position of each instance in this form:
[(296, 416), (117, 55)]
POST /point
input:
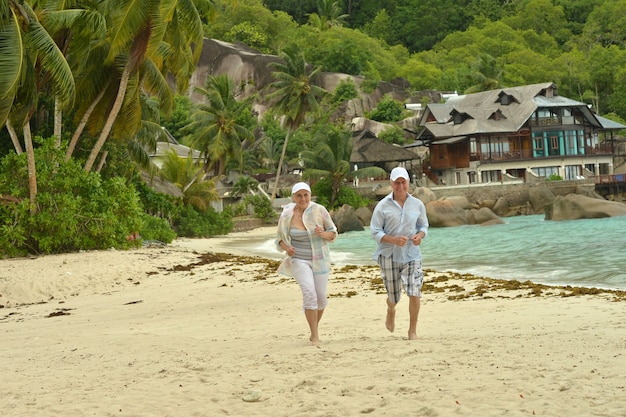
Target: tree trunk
[(14, 138), (280, 165), (32, 173), (103, 159), (58, 120), (83, 123), (117, 106)]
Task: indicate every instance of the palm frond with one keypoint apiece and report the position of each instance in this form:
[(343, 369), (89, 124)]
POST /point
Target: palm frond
[(11, 55), (52, 60), (127, 18), (154, 82)]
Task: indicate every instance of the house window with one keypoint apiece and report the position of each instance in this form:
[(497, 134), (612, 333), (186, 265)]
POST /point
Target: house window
[(538, 146), (568, 119), (572, 172), (491, 176), (546, 171), (497, 115), (554, 142), (570, 142), (581, 142), (506, 99)]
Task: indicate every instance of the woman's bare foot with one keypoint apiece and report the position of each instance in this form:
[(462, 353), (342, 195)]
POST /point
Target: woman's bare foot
[(314, 342), (412, 335), (390, 322)]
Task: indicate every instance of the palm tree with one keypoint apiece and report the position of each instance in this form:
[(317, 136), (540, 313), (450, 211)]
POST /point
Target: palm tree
[(328, 15), (487, 75), (331, 159), (29, 59), (215, 130), (147, 39), (296, 95), (189, 178)]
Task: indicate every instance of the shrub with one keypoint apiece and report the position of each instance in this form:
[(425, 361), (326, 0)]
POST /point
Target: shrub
[(262, 207), (392, 135), (346, 195), (346, 90), (190, 222), (156, 228), (387, 110), (75, 209)]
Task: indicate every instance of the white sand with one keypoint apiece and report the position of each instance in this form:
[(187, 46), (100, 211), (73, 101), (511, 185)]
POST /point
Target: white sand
[(148, 333)]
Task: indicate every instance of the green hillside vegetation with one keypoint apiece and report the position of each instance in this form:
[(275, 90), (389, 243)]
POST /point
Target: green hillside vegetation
[(85, 89)]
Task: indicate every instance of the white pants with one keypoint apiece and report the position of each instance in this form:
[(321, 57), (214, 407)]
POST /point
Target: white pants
[(313, 286)]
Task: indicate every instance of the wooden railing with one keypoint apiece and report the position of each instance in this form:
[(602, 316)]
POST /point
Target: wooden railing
[(604, 149), (609, 179)]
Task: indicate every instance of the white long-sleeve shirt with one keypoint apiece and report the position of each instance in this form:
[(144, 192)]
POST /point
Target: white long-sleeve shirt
[(389, 218)]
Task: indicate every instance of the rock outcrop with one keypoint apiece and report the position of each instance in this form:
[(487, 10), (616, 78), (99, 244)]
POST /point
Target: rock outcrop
[(539, 197), (346, 219), (445, 213), (574, 207), (251, 71), (365, 215), (426, 195), (483, 216)]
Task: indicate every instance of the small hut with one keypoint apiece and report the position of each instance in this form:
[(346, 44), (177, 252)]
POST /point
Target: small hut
[(368, 150)]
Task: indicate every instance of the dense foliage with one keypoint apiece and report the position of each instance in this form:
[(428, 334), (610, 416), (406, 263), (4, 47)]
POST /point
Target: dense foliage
[(76, 210)]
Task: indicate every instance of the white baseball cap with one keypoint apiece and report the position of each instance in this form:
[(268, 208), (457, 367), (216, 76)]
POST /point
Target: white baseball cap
[(399, 172), (300, 186)]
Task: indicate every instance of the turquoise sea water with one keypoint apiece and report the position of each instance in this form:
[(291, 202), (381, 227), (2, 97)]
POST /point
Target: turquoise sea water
[(589, 253)]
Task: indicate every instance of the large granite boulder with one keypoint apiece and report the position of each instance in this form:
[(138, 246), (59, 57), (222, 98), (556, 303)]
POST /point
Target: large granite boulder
[(426, 195), (382, 191), (483, 216), (574, 206), (460, 201), (365, 215), (346, 219), (501, 207), (445, 213), (539, 196)]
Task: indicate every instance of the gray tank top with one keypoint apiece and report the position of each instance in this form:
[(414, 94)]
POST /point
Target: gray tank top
[(301, 242)]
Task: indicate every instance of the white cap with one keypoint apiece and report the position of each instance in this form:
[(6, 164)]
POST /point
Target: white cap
[(399, 172), (300, 186)]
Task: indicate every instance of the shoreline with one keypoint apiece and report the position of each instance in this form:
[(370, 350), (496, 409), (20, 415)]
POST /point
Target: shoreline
[(33, 288), (194, 329)]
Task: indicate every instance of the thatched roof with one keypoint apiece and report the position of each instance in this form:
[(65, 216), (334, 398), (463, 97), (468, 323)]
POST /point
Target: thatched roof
[(366, 147), (160, 185)]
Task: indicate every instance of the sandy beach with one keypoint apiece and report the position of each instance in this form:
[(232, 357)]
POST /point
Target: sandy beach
[(200, 328)]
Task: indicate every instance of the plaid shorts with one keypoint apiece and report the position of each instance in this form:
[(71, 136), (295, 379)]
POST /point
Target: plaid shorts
[(398, 275)]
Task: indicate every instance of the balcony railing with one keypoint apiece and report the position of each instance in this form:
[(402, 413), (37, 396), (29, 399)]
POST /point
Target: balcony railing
[(603, 149), (610, 179)]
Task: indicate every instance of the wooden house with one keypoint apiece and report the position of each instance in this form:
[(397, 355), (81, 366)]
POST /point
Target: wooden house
[(514, 134)]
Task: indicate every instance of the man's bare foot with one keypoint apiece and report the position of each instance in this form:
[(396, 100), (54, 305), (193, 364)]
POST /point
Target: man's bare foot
[(390, 322), (314, 342), (412, 335)]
